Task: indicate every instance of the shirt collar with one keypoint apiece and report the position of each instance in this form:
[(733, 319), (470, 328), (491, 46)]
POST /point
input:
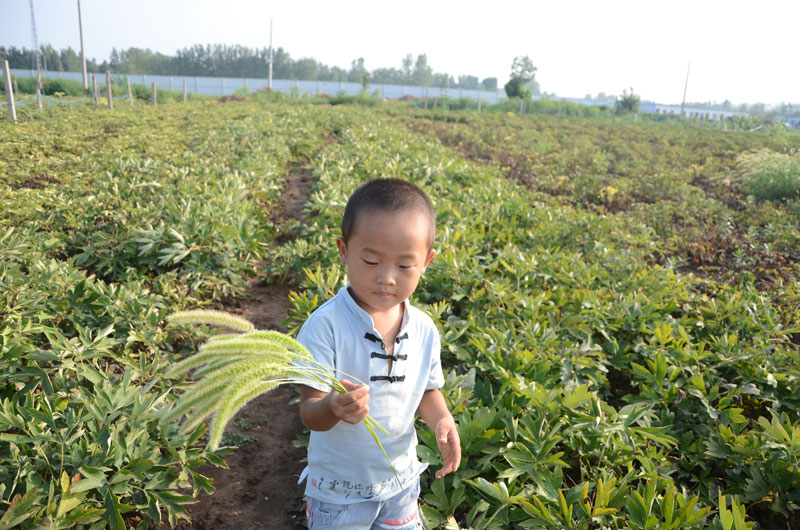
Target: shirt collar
[(365, 317)]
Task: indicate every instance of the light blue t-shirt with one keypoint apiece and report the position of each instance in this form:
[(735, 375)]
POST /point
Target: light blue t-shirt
[(345, 465)]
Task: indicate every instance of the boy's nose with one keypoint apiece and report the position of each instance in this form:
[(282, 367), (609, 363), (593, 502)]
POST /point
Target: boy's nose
[(385, 277)]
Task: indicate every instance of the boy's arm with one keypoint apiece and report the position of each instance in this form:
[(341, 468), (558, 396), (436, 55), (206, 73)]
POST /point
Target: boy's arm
[(433, 410), (321, 411)]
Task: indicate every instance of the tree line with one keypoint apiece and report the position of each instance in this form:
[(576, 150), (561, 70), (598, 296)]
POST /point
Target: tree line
[(223, 60)]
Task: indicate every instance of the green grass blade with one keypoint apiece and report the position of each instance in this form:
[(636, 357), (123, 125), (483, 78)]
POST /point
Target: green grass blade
[(377, 441)]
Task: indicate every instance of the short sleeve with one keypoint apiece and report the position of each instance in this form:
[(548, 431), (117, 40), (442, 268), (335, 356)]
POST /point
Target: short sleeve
[(317, 337), (435, 376)]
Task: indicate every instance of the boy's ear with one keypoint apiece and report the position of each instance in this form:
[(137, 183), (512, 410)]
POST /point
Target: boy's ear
[(341, 246), (431, 254)]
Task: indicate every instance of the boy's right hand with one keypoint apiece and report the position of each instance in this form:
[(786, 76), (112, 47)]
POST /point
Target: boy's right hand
[(352, 405)]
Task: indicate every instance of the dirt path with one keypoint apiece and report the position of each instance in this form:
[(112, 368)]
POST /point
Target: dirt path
[(260, 490)]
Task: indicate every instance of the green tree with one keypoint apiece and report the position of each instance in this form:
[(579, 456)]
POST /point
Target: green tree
[(408, 68), (334, 73), (70, 60), (388, 76), (306, 69), (444, 81), (628, 102), (523, 72), (358, 73), (423, 74), (489, 83), (522, 68), (468, 81)]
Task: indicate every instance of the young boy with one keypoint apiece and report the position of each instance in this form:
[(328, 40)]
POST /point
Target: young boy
[(370, 331)]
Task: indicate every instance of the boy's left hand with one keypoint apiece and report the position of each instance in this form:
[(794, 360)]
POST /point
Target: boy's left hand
[(449, 444)]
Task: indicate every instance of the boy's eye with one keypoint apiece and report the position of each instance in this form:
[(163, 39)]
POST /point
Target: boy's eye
[(369, 262), (405, 267)]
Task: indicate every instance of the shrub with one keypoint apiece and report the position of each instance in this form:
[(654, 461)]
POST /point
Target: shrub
[(770, 176), (27, 85), (358, 99)]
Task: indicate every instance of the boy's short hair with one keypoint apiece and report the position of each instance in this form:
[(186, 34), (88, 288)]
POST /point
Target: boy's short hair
[(387, 195)]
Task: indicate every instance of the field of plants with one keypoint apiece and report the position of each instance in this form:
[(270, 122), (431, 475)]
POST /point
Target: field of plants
[(619, 304)]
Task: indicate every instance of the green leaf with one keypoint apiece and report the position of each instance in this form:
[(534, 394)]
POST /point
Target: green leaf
[(738, 515), (725, 517), (67, 503), (113, 513), (20, 510), (603, 492), (20, 439), (637, 509), (82, 516), (656, 434), (95, 478), (139, 465), (493, 490), (668, 506), (201, 482), (576, 397), (173, 504)]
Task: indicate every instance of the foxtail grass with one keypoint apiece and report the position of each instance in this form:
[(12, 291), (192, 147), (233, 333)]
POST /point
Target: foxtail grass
[(231, 369)]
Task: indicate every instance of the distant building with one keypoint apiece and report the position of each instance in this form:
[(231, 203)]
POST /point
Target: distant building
[(703, 113)]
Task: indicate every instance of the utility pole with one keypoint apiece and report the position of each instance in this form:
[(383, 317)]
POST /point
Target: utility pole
[(37, 65), (685, 86), (270, 55), (83, 52), (12, 110)]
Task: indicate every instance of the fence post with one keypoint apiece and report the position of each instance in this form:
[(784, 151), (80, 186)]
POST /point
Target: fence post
[(479, 103), (521, 106), (39, 90), (16, 89), (94, 87), (155, 94), (130, 94), (108, 90), (12, 110), (184, 90)]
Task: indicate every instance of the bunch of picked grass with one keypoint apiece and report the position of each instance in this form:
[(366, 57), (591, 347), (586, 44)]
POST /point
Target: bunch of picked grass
[(231, 369)]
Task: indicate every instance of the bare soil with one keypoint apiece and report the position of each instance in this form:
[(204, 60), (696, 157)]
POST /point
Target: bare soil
[(259, 489)]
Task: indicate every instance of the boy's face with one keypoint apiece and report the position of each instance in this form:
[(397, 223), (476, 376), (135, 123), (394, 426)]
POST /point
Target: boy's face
[(386, 255)]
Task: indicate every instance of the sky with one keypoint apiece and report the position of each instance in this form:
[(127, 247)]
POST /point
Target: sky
[(744, 52)]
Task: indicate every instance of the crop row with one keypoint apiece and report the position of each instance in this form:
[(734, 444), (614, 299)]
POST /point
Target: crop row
[(593, 383), (110, 222)]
